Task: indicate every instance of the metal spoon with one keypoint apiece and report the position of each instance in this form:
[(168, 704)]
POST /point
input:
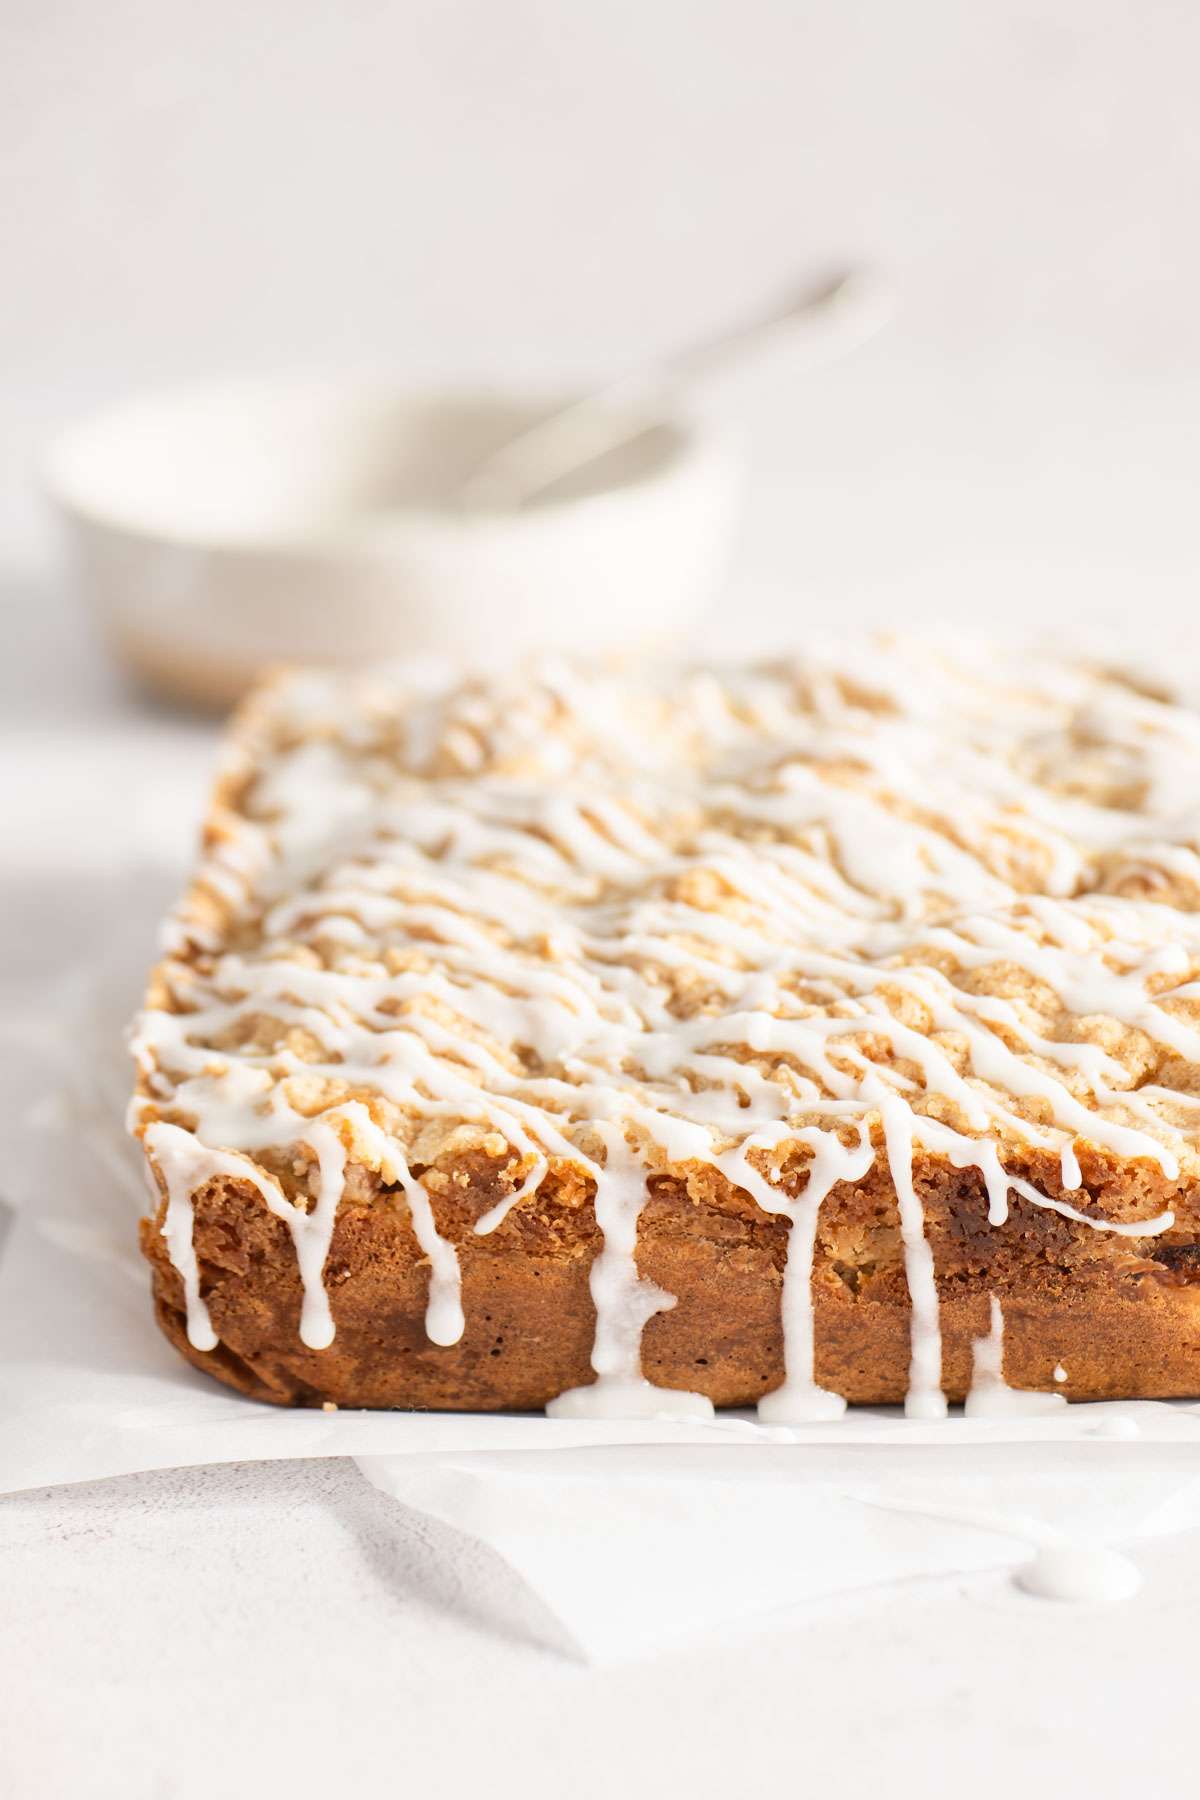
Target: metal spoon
[(840, 313)]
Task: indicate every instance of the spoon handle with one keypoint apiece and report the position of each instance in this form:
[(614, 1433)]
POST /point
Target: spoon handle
[(848, 308)]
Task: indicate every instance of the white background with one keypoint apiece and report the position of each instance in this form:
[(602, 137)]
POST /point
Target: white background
[(558, 186), (509, 188)]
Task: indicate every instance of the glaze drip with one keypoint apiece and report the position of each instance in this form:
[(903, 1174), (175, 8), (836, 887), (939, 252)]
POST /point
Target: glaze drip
[(990, 1396)]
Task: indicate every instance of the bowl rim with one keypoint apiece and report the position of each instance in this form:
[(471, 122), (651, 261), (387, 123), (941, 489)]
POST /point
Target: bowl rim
[(701, 449)]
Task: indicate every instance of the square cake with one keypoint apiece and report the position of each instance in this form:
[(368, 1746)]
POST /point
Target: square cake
[(640, 1042)]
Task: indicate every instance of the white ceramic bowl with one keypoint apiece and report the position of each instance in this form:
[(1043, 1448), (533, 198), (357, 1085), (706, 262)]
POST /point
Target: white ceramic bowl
[(225, 529)]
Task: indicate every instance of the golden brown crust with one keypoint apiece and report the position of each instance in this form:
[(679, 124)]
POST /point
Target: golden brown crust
[(1122, 1315)]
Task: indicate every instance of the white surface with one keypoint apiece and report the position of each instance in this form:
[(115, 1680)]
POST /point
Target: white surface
[(552, 190), (179, 1636)]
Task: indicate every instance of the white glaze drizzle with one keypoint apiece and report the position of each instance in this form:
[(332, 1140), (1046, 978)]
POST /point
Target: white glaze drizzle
[(1062, 1568), (990, 1396), (1083, 1574), (727, 917), (625, 1302), (186, 1166), (799, 1398), (444, 1321), (189, 1164), (924, 1399)]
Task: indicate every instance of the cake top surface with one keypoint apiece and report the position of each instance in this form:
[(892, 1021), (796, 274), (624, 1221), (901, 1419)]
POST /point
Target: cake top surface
[(875, 889)]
